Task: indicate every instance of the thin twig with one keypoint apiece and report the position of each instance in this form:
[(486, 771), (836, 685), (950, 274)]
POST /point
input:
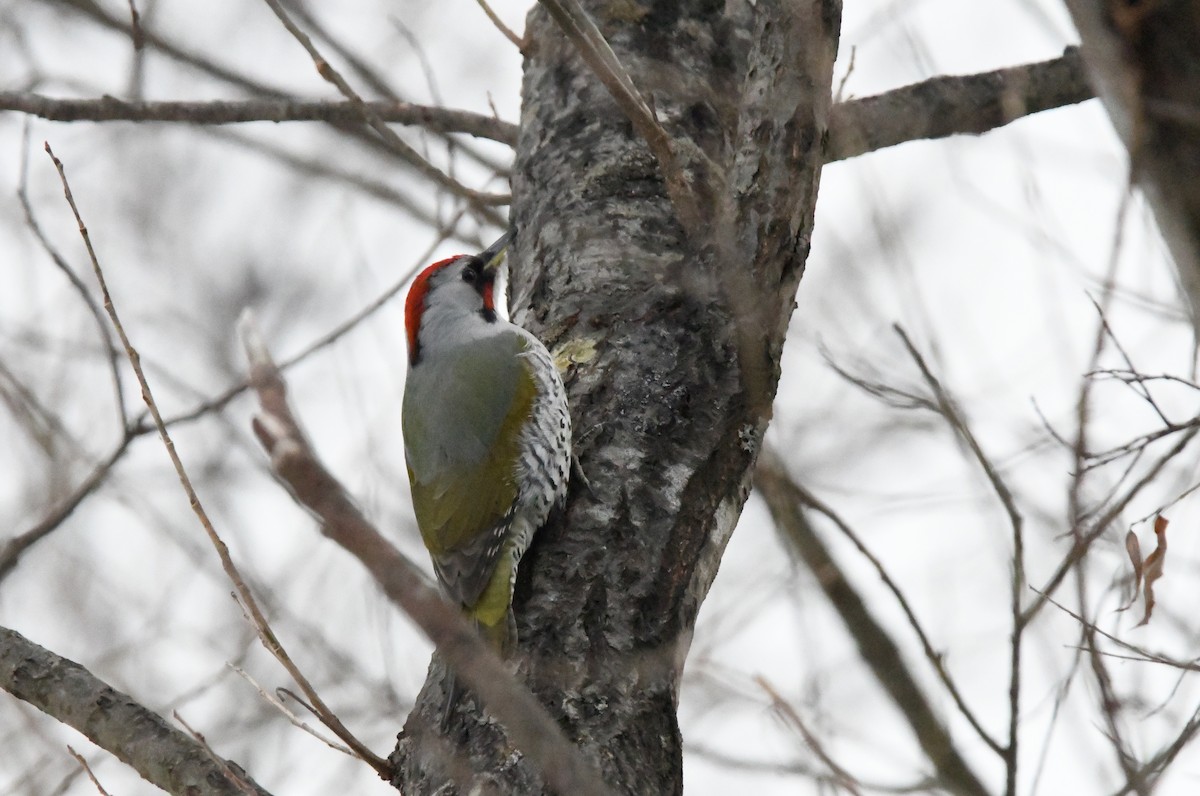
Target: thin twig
[(1139, 654), (481, 202), (218, 402), (517, 41), (1138, 386), (1083, 540), (784, 709), (80, 288), (88, 770), (296, 721), (947, 407), (233, 776), (249, 604), (934, 657), (12, 550)]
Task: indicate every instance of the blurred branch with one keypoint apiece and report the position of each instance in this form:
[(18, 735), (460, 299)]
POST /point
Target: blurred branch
[(123, 24), (181, 54), (953, 105), (111, 109), (296, 465), (1156, 766), (785, 501), (138, 737), (12, 550), (505, 31), (316, 166), (247, 788), (246, 599), (805, 498), (80, 758), (1142, 58), (221, 400), (725, 759), (378, 83), (480, 201), (77, 284), (840, 777), (948, 408)]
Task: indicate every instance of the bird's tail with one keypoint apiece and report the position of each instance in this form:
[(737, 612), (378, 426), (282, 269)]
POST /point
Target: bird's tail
[(501, 637)]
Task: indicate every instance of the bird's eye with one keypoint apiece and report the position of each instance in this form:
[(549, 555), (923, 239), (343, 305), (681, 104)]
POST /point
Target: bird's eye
[(469, 276)]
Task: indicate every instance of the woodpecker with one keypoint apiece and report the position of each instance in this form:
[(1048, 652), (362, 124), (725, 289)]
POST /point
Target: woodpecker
[(487, 436)]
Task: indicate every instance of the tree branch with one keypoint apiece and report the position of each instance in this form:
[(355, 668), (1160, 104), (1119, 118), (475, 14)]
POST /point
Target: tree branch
[(113, 720), (482, 202), (785, 501), (241, 589), (948, 408), (954, 105), (111, 109)]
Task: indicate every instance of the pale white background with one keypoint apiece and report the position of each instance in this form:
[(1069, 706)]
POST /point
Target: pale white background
[(987, 250)]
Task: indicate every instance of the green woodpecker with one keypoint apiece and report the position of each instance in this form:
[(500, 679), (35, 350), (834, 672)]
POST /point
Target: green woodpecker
[(487, 436)]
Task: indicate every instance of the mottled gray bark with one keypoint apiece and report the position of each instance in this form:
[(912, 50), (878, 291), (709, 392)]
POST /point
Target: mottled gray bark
[(1145, 65), (675, 342), (70, 693), (956, 105)]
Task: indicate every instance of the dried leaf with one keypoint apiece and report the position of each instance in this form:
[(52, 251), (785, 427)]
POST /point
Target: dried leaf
[(1135, 558), (1153, 569)]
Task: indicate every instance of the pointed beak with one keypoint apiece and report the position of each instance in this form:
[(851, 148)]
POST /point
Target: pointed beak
[(493, 255)]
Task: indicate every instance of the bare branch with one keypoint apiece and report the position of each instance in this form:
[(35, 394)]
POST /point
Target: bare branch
[(296, 721), (233, 776), (80, 758), (113, 720), (249, 604), (77, 284), (875, 644), (480, 201), (784, 709), (505, 30), (955, 105), (296, 465), (949, 409), (12, 550), (211, 112), (218, 402), (933, 656)]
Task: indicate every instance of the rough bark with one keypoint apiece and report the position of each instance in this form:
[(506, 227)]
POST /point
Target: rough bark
[(674, 343), (139, 737), (956, 105), (1144, 62)]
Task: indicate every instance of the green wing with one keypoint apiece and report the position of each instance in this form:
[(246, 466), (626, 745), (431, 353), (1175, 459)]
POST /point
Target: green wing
[(462, 423)]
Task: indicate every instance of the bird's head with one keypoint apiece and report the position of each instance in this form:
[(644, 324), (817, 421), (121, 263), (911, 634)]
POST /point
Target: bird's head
[(453, 294)]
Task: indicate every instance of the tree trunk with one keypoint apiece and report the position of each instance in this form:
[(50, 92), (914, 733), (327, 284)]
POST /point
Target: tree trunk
[(673, 339)]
